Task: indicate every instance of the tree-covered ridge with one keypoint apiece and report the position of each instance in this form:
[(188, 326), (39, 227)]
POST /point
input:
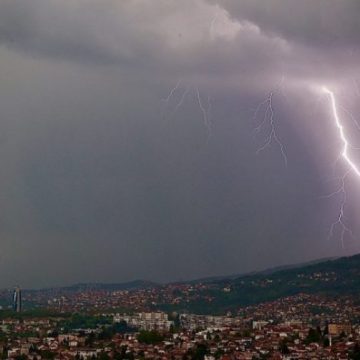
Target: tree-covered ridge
[(332, 277)]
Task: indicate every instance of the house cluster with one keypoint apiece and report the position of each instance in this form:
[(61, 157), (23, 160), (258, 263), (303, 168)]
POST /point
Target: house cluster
[(297, 327), (194, 337), (158, 321), (193, 322)]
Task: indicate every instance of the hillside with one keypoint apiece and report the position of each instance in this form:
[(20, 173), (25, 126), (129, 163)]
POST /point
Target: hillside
[(331, 277)]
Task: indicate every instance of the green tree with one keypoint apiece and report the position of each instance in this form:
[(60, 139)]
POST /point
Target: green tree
[(355, 353), (283, 347), (89, 340), (313, 336), (21, 357), (103, 356), (200, 351), (218, 353), (122, 327), (326, 342), (106, 333), (47, 354), (150, 337)]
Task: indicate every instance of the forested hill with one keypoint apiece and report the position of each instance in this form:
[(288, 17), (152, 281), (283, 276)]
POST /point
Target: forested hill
[(332, 277)]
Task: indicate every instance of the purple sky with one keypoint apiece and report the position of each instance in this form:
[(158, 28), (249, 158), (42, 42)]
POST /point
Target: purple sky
[(128, 141)]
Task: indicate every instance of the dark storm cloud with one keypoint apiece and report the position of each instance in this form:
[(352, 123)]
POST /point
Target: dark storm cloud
[(188, 38), (172, 37), (321, 23), (103, 180)]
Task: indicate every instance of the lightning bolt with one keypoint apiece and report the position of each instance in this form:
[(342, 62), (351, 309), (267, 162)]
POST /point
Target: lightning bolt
[(268, 119), (352, 168), (340, 220), (171, 93), (182, 99), (168, 98), (212, 23), (209, 109), (204, 112), (345, 150), (352, 117)]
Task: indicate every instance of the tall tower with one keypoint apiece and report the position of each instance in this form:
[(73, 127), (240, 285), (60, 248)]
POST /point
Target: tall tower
[(17, 300)]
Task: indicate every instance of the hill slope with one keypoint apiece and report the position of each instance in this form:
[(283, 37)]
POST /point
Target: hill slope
[(332, 277)]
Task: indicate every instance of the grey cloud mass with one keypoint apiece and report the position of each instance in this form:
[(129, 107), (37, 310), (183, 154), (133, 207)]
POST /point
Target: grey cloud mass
[(127, 143)]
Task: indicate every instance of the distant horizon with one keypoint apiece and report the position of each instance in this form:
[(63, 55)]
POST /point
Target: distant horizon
[(208, 278)]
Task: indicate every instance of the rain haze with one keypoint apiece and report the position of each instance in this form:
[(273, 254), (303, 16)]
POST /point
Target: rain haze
[(170, 140)]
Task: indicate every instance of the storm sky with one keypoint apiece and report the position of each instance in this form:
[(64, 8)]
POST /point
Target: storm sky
[(128, 142)]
